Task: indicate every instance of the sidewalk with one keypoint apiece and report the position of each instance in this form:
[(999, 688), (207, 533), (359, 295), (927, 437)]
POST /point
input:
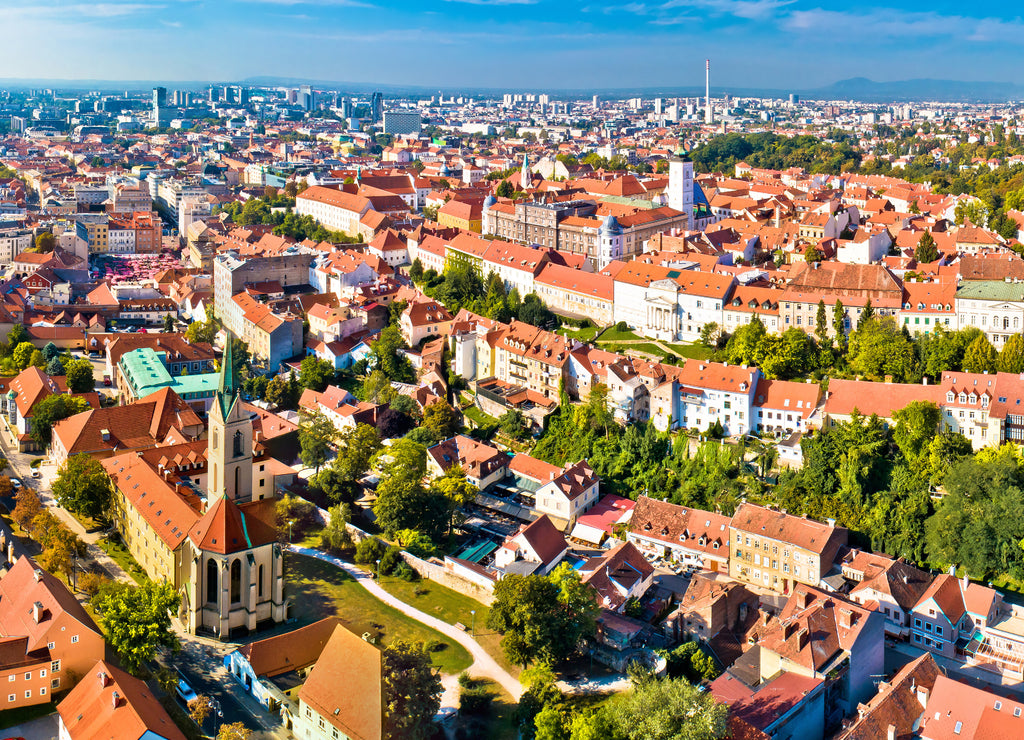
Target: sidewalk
[(483, 664), (20, 467)]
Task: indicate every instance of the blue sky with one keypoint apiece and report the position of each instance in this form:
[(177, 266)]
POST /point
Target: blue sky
[(520, 44)]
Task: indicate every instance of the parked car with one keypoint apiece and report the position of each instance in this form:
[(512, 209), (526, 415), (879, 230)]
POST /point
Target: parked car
[(15, 483), (183, 691), (36, 473), (106, 380)]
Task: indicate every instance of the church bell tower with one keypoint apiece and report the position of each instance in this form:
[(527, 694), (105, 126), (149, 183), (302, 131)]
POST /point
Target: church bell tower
[(229, 455)]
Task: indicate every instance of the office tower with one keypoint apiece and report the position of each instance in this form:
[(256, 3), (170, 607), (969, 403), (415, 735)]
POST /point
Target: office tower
[(160, 113), (659, 106), (377, 107)]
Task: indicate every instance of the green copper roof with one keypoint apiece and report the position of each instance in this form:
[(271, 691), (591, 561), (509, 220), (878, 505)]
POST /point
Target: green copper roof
[(146, 373), (991, 290), (228, 387)]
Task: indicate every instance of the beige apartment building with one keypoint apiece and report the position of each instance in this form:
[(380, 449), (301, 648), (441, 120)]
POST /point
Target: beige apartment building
[(775, 550)]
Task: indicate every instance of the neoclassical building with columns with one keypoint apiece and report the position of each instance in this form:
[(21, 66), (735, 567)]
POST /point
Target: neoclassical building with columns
[(192, 516)]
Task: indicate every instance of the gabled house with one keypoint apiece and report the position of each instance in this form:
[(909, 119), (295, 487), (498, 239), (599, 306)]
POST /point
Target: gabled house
[(776, 550), (689, 536), (951, 609), (895, 586), (896, 710), (272, 669), (109, 703), (617, 576), (343, 695), (483, 465), (46, 636), (537, 547), (820, 635)]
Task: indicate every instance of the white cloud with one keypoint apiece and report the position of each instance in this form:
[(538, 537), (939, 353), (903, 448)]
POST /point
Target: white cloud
[(893, 23)]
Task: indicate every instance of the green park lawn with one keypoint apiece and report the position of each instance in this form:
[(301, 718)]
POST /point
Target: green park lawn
[(451, 607), (319, 590)]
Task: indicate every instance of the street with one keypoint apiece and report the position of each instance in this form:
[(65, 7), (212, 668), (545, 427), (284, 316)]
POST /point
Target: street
[(201, 663)]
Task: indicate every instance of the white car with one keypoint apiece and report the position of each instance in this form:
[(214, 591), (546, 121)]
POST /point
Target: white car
[(183, 691), (15, 483)]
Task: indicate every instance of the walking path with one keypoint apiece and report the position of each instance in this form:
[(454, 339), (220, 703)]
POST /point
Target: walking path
[(20, 465), (483, 664)]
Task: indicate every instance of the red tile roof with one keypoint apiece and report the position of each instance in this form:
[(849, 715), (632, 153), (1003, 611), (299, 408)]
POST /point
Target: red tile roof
[(110, 704), (345, 686)]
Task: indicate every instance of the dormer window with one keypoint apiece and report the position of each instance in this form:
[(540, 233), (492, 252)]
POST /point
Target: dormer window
[(962, 397), (949, 397), (973, 398)]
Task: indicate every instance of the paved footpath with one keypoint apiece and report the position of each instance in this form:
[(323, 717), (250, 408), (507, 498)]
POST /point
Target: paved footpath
[(483, 664), (19, 463)]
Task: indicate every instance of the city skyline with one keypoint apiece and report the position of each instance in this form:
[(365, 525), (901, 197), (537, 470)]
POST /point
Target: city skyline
[(773, 44)]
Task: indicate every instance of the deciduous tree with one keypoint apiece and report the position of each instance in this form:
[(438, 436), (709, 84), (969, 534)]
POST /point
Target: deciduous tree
[(79, 376), (411, 691), (83, 487), (316, 436), (52, 409), (137, 620)]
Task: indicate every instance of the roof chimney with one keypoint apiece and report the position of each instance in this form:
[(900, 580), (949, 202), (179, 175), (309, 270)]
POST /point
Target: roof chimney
[(804, 599), (890, 732), (114, 699), (802, 638), (846, 619), (37, 612), (38, 574), (923, 692), (104, 679)]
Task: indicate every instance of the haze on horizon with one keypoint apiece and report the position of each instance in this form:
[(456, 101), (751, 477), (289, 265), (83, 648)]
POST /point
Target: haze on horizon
[(558, 44)]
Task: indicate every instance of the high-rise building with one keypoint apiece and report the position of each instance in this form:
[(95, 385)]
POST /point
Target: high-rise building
[(402, 122), (376, 107), (161, 116), (659, 105)]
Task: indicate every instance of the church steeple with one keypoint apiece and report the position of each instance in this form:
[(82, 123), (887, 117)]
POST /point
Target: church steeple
[(230, 452), (227, 389)]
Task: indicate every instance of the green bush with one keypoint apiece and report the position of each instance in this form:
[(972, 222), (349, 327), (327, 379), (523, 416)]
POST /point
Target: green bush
[(622, 327), (390, 560), (369, 551), (475, 700)]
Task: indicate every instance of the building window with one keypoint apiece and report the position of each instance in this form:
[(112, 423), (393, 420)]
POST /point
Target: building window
[(236, 581), (74, 638), (261, 581), (55, 666), (211, 581)]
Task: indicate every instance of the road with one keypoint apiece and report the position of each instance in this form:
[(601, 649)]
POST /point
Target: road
[(201, 663), (483, 664)]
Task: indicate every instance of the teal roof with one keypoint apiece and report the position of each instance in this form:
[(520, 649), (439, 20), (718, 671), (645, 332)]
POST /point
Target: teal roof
[(146, 373), (227, 387), (991, 290)]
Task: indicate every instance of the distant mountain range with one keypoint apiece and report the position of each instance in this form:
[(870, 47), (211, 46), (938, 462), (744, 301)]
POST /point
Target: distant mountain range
[(855, 89), (863, 89)]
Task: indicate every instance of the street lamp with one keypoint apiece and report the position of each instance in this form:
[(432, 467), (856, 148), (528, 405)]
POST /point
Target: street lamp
[(473, 612), (377, 573), (290, 523)]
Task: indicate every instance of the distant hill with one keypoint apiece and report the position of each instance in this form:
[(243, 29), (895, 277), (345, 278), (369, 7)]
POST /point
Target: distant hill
[(863, 89)]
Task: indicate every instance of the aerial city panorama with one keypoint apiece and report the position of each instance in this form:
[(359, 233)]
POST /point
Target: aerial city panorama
[(511, 369)]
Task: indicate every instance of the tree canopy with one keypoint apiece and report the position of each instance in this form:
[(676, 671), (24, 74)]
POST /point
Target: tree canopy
[(136, 620)]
